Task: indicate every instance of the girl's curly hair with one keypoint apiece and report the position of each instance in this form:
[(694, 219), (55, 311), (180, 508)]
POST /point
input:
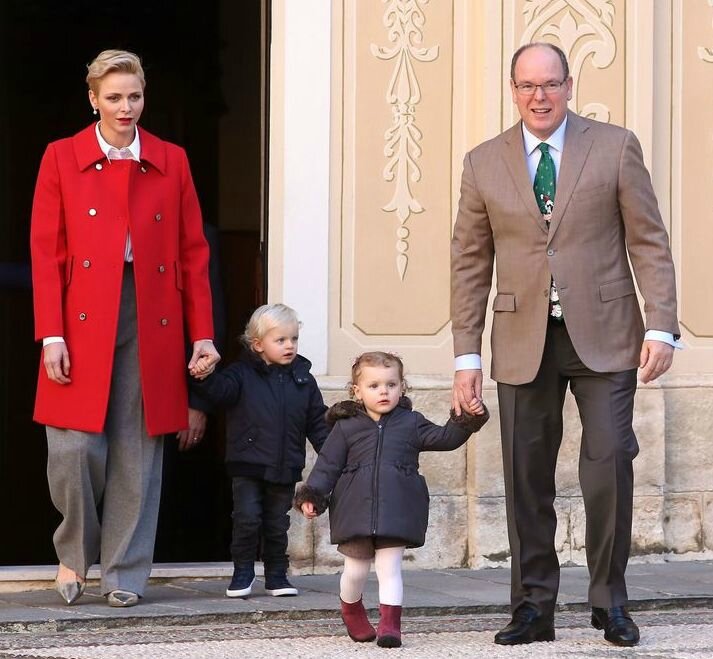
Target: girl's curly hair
[(376, 358)]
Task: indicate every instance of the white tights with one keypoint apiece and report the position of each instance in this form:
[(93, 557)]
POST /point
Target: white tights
[(387, 564)]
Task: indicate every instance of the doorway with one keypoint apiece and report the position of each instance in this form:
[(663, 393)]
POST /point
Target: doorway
[(206, 67)]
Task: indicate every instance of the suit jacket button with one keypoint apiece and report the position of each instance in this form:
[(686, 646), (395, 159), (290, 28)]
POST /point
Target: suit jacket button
[(157, 217), (82, 316), (143, 169), (164, 321), (98, 166), (86, 263), (162, 268), (550, 252), (92, 211)]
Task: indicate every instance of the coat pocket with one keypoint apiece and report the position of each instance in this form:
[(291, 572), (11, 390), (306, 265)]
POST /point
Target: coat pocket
[(68, 268), (613, 290), (504, 302), (179, 275)]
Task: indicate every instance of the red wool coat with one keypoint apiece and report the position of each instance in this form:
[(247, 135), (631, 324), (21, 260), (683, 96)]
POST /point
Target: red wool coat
[(83, 207)]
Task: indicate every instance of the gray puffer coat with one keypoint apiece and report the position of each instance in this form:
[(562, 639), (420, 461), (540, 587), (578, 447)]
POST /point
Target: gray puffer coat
[(367, 471)]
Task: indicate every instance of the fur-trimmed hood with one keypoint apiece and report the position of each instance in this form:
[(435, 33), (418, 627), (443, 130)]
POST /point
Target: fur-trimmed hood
[(345, 409)]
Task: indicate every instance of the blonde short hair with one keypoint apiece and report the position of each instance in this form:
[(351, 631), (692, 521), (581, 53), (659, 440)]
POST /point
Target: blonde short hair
[(267, 317), (114, 61)]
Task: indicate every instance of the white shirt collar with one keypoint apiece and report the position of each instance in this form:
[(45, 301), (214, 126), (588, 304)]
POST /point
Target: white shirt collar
[(556, 140), (134, 148)]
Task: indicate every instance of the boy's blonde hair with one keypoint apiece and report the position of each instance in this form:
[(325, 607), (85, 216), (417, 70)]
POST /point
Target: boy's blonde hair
[(267, 317), (376, 358), (113, 61)]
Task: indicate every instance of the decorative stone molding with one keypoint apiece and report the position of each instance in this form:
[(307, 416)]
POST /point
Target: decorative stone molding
[(404, 20), (590, 36)]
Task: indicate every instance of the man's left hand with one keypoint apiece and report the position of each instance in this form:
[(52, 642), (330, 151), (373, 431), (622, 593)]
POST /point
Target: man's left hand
[(204, 359), (656, 358)]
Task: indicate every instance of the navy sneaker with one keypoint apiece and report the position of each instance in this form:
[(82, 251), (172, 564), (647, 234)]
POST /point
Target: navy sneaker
[(241, 584), (278, 586)]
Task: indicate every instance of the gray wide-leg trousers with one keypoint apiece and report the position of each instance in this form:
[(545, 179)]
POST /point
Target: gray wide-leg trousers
[(117, 471)]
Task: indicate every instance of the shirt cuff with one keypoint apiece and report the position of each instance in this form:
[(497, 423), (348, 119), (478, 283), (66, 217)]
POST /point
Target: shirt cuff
[(196, 341), (52, 339), (665, 337), (468, 362)]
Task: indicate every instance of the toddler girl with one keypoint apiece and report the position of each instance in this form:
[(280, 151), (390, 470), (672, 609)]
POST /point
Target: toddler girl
[(367, 475)]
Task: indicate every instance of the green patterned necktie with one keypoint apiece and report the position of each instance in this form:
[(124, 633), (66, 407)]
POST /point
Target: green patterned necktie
[(545, 186)]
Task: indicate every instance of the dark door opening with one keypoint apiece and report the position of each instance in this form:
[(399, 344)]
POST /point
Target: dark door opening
[(206, 70)]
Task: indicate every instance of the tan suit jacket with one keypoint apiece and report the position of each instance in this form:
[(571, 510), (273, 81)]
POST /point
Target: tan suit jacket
[(605, 215)]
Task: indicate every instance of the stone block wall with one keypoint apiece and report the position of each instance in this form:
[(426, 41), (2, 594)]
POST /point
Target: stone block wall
[(673, 496)]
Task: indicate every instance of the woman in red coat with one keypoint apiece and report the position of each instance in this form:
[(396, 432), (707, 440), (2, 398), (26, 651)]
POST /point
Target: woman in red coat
[(119, 268)]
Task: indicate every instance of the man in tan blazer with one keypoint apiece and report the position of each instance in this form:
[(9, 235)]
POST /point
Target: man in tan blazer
[(561, 233)]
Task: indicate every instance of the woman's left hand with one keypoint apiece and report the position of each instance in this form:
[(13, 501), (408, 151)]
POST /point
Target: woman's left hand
[(204, 359), (189, 438)]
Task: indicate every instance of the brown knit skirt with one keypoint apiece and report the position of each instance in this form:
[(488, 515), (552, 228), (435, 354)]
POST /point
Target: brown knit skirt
[(365, 548)]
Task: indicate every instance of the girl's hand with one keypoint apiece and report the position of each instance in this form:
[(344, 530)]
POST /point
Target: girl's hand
[(308, 510)]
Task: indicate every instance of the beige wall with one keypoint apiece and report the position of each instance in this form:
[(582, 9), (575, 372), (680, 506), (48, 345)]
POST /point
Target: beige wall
[(414, 86)]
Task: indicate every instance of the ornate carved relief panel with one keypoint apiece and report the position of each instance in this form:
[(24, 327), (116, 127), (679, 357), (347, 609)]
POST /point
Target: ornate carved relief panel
[(394, 122), (591, 34)]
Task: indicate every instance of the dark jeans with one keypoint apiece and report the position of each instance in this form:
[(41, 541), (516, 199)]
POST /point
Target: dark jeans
[(260, 522)]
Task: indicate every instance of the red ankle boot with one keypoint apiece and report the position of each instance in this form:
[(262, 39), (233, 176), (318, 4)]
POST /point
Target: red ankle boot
[(358, 626), (388, 635)]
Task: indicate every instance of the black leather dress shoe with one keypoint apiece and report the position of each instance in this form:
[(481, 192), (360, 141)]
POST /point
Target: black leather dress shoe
[(527, 625), (617, 624)]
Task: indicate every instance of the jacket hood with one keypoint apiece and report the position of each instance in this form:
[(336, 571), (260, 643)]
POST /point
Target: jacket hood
[(347, 408)]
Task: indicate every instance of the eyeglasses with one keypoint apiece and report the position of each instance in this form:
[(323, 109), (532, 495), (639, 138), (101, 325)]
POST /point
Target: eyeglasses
[(549, 87)]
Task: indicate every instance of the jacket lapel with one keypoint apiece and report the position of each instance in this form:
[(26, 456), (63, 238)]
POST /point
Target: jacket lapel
[(517, 166), (153, 150), (86, 148), (577, 143)]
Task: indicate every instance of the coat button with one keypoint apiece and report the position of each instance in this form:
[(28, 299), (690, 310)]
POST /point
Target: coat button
[(164, 321), (550, 252), (86, 263), (98, 166), (157, 217), (143, 169), (92, 211), (162, 268), (82, 316)]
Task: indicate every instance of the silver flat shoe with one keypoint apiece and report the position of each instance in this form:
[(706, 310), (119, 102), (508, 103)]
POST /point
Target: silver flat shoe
[(70, 591), (122, 598)]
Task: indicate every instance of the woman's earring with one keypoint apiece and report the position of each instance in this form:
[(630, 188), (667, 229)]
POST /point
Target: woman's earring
[(95, 111)]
